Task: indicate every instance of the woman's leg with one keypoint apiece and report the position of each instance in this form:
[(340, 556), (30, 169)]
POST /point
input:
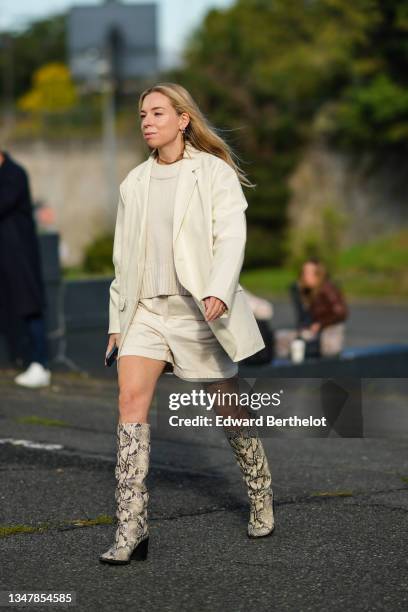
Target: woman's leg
[(137, 377), (38, 337), (228, 408), (37, 374), (137, 382), (250, 456), (332, 339)]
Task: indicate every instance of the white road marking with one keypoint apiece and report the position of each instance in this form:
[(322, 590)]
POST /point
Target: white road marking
[(31, 444)]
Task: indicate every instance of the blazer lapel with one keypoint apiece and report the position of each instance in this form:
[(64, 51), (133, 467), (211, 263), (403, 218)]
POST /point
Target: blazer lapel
[(184, 189)]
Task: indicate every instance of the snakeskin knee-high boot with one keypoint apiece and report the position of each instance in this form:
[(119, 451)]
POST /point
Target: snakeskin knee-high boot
[(252, 460), (131, 495)]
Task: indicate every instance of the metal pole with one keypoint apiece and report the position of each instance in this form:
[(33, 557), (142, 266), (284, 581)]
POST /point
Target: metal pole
[(109, 133), (8, 84), (110, 150)]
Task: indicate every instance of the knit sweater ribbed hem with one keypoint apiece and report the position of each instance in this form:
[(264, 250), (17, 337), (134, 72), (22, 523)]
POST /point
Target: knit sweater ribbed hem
[(161, 279)]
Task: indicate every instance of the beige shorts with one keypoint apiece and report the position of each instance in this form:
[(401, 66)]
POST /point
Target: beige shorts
[(172, 328)]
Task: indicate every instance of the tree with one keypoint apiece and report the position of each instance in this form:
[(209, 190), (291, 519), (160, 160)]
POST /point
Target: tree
[(43, 41), (53, 91), (264, 70)]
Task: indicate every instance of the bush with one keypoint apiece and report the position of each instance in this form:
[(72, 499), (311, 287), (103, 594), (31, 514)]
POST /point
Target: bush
[(323, 240), (98, 255)]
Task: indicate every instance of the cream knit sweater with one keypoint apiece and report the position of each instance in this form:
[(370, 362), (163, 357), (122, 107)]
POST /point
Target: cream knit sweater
[(160, 277)]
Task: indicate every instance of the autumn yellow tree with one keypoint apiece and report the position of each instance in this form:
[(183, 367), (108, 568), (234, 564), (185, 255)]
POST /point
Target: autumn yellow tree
[(53, 91)]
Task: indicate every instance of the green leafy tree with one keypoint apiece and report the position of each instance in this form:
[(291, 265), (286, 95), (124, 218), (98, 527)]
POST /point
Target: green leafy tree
[(266, 70)]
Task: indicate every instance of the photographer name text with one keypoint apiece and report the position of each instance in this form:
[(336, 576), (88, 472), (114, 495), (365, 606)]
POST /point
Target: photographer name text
[(225, 421)]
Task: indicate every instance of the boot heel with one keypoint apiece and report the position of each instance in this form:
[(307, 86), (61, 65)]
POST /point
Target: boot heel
[(140, 552)]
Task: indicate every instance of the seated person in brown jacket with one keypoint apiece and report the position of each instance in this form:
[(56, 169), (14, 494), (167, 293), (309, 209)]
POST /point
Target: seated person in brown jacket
[(321, 312)]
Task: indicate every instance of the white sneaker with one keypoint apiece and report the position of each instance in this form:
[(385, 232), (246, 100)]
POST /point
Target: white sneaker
[(34, 376)]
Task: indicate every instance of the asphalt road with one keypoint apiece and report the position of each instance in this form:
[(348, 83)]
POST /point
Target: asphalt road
[(341, 510)]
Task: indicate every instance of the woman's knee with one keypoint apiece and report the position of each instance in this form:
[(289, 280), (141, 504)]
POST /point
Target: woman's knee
[(132, 398), (332, 340)]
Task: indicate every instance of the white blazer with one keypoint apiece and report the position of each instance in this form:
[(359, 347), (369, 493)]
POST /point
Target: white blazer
[(209, 235)]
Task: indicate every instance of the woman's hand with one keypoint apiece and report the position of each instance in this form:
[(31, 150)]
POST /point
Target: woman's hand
[(114, 340), (310, 332), (214, 308)]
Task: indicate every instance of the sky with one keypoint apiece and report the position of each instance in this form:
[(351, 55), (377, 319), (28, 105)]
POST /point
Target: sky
[(176, 18)]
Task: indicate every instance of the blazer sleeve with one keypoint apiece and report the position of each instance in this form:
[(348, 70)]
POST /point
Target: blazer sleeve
[(114, 289), (229, 235)]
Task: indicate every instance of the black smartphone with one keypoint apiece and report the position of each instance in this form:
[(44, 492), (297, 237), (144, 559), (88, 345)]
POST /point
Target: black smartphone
[(111, 356)]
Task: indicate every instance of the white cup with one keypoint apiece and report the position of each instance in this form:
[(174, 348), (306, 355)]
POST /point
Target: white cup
[(297, 350)]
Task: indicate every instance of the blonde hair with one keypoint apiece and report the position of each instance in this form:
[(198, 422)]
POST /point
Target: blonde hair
[(199, 132)]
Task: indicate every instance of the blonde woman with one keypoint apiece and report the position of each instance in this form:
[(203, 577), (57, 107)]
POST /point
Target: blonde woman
[(175, 301)]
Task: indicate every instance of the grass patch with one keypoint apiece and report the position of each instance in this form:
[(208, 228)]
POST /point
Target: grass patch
[(387, 254), (78, 273), (36, 420), (274, 282), (102, 519), (268, 282), (10, 530), (374, 269), (404, 479)]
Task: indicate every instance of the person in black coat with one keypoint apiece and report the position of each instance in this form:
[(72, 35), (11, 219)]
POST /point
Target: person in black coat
[(22, 295)]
